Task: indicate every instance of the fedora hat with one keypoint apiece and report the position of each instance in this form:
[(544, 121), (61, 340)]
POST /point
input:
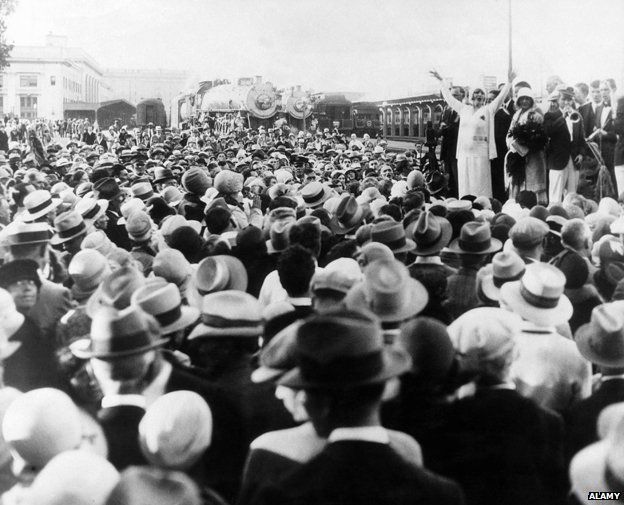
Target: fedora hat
[(601, 341), (88, 268), (106, 188), (165, 304), (142, 190), (68, 225), (20, 233), (172, 195), (116, 290), (538, 297), (279, 237), (393, 235), (358, 358), (220, 273), (38, 204), (119, 333), (162, 174), (430, 233), (278, 356), (388, 291), (91, 209), (348, 215), (475, 238), (139, 226), (506, 266), (314, 194), (230, 313)]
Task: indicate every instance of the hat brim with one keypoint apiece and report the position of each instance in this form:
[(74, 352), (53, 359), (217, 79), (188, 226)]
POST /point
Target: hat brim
[(410, 245), (83, 349), (587, 469), (395, 363), (510, 295), (326, 196), (56, 240), (582, 337), (489, 288), (27, 217), (189, 316), (495, 245), (441, 243), (205, 331), (340, 229), (412, 302), (266, 374)]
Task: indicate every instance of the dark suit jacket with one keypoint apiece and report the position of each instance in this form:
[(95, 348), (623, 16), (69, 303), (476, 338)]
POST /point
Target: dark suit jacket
[(587, 113), (560, 147), (582, 416), (502, 121), (448, 132), (618, 127), (121, 428), (117, 232), (4, 142), (357, 472), (501, 448)]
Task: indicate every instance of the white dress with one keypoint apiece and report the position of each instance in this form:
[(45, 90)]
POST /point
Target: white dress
[(475, 143)]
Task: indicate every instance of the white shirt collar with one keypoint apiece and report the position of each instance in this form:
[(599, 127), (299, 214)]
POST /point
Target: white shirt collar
[(110, 401), (376, 434), (302, 301), (429, 260)]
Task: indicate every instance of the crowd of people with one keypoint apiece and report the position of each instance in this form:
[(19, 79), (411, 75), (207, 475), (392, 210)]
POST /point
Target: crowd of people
[(272, 316)]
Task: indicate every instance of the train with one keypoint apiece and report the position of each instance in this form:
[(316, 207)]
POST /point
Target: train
[(252, 103), (151, 110)]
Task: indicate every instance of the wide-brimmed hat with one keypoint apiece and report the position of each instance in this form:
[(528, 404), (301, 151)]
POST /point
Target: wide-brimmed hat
[(18, 233), (475, 238), (388, 291), (393, 235), (230, 313), (220, 273), (68, 225), (358, 358), (88, 268), (142, 190), (538, 297), (162, 174), (91, 209), (506, 266), (165, 304), (278, 356), (119, 333), (314, 194), (139, 226), (601, 341), (348, 215), (279, 237), (38, 204), (430, 233), (528, 232), (172, 195), (106, 188)]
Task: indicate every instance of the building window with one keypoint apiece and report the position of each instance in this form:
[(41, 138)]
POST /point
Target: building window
[(28, 81), (28, 107), (52, 80)]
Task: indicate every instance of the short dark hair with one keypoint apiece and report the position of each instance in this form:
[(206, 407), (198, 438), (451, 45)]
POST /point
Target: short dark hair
[(307, 235), (295, 268), (583, 87), (217, 220), (494, 92), (392, 210), (595, 84)]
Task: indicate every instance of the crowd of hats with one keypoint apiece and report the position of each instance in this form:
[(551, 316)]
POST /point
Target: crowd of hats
[(185, 240)]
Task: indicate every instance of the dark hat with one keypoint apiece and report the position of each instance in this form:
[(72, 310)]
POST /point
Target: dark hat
[(475, 238), (358, 358), (436, 183), (540, 212), (119, 333), (196, 181), (348, 215), (19, 270), (106, 188), (393, 235), (158, 209), (431, 233), (601, 341)]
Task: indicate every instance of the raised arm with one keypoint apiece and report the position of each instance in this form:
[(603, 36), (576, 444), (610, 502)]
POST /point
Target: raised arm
[(495, 104), (453, 102)]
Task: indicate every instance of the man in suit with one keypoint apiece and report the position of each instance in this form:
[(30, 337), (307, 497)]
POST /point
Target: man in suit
[(449, 129), (596, 342), (344, 380), (618, 127), (598, 124), (502, 120), (126, 359), (4, 138), (589, 109), (566, 134)]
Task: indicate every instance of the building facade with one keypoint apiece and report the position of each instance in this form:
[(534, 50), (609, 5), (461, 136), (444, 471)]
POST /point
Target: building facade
[(41, 80), (408, 117)]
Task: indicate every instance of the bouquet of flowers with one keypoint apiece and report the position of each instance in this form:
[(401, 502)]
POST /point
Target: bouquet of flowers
[(530, 135)]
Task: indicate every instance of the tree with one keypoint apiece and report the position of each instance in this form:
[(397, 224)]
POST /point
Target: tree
[(6, 8)]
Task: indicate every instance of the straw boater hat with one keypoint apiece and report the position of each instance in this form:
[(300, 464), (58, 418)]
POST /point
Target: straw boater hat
[(38, 204), (314, 194), (88, 268), (601, 340), (19, 233), (538, 297), (91, 209), (475, 238), (358, 359), (165, 304), (119, 333)]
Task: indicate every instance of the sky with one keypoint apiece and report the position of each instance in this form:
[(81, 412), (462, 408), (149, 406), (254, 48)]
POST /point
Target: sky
[(381, 47)]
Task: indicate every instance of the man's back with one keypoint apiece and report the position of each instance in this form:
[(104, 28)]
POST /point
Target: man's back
[(358, 472)]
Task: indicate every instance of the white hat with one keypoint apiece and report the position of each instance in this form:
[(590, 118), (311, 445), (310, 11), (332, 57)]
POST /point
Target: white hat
[(38, 204)]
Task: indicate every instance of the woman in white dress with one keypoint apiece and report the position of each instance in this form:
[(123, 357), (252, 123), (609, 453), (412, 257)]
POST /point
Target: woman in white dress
[(475, 141)]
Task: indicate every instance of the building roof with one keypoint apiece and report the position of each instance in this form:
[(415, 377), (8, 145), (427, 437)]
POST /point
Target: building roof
[(116, 101), (52, 54), (81, 106), (431, 97)]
